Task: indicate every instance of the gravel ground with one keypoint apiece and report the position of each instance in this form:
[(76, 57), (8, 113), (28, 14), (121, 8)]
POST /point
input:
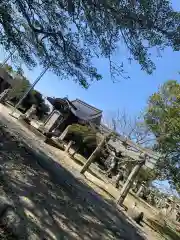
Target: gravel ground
[(53, 203)]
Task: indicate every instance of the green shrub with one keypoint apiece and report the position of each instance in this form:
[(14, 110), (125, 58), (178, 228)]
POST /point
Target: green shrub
[(84, 137)]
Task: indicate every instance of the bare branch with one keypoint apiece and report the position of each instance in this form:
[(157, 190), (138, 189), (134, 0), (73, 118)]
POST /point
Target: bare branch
[(132, 129)]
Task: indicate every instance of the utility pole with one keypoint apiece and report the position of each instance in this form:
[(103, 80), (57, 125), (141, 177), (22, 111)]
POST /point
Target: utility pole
[(28, 91), (128, 184)]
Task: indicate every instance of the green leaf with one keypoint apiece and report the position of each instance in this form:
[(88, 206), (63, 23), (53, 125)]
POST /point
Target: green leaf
[(68, 35), (163, 118)]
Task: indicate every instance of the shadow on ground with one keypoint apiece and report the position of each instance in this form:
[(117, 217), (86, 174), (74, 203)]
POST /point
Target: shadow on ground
[(81, 163), (164, 230), (53, 203)]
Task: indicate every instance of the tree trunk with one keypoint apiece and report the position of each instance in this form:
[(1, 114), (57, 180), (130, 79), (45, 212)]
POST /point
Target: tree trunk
[(95, 153)]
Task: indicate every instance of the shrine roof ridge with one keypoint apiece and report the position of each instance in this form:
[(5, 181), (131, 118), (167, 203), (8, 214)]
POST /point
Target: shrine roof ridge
[(88, 105)]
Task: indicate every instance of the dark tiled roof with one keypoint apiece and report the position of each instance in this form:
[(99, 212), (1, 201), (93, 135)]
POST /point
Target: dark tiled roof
[(80, 109), (86, 112), (87, 105)]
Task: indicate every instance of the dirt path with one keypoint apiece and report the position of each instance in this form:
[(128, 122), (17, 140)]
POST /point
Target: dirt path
[(55, 204)]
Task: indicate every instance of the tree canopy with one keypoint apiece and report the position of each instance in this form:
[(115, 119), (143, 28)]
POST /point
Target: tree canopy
[(163, 118), (147, 175), (84, 137), (67, 35), (20, 85)]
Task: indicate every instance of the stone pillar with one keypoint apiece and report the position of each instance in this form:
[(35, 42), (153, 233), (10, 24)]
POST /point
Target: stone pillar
[(160, 202), (118, 179), (68, 146), (94, 154), (128, 184), (64, 133), (141, 188), (29, 113)]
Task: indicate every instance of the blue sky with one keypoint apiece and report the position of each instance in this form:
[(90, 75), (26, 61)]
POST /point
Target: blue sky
[(129, 95)]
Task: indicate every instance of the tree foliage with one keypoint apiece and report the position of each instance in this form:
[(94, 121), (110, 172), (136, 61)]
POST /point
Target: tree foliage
[(147, 175), (8, 68), (163, 118), (35, 97), (84, 137), (19, 86), (20, 83), (69, 34)]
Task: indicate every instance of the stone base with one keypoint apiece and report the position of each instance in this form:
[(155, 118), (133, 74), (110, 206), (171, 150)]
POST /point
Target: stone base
[(135, 214), (55, 143), (32, 129)]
